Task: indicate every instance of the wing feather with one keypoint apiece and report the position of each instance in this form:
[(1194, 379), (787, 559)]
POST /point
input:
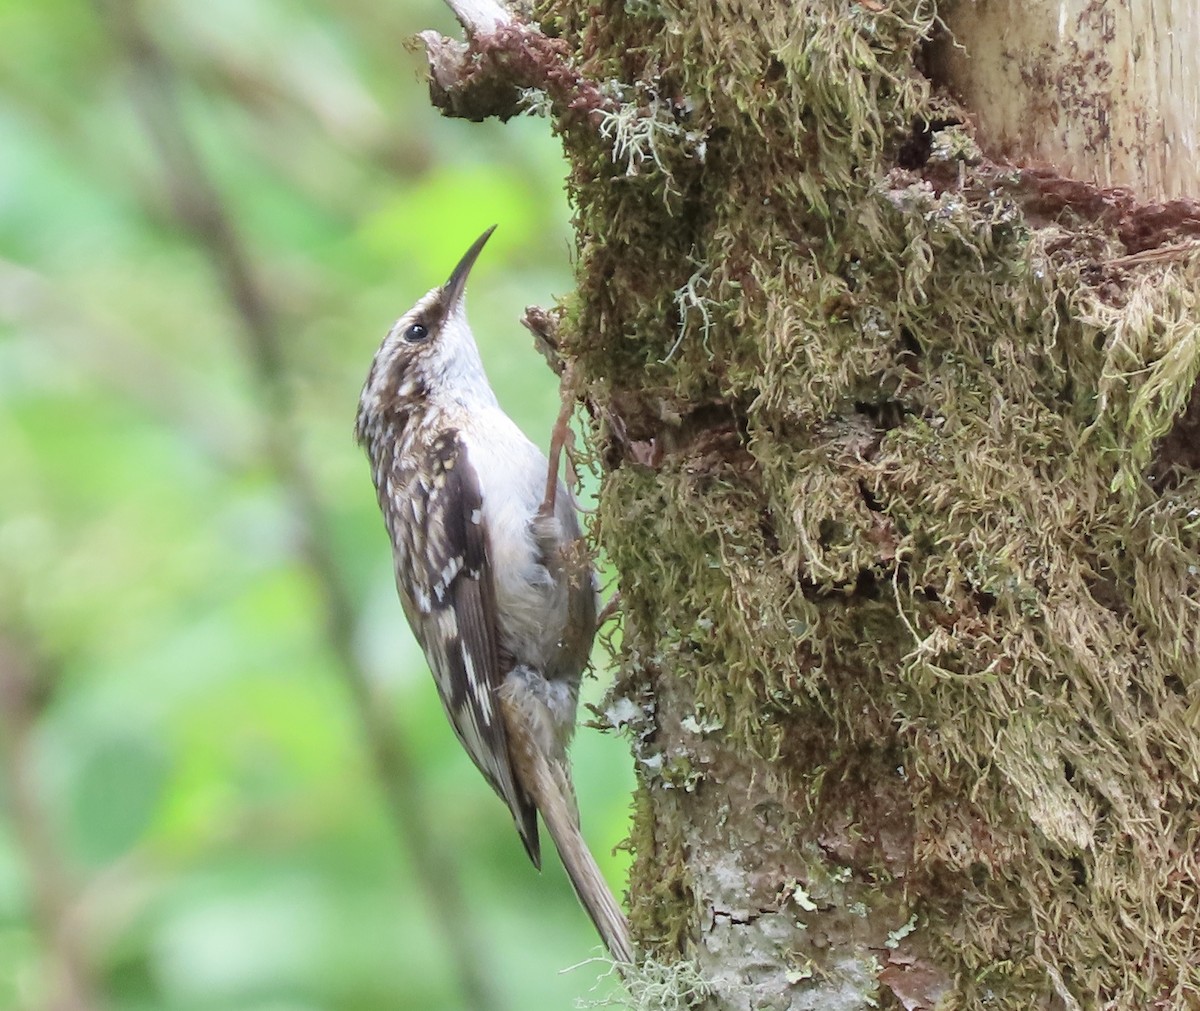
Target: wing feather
[(453, 593)]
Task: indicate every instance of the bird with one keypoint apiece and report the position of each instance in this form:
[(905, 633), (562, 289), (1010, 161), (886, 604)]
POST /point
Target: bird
[(492, 571)]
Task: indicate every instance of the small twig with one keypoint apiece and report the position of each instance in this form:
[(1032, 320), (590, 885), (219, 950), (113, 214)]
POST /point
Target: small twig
[(544, 328), (201, 211), (1160, 254), (71, 986), (609, 610)]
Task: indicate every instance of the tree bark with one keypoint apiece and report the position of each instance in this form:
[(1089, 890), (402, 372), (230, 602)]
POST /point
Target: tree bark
[(901, 481), (1107, 92)]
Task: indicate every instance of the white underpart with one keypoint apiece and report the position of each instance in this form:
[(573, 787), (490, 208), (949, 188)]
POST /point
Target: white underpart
[(454, 371), (512, 477)]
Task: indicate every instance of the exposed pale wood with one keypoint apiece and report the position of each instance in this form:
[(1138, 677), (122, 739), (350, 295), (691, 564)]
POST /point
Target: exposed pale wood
[(1101, 90), (479, 15)]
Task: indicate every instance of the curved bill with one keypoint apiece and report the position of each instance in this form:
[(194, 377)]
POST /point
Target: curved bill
[(458, 279)]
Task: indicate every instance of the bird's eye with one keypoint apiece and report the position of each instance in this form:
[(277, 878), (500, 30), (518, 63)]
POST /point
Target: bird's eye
[(416, 333)]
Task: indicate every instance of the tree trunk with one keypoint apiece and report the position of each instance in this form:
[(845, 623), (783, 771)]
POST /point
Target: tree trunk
[(1106, 92), (901, 482)]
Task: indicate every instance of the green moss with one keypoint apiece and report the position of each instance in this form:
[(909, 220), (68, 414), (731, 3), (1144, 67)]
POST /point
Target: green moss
[(899, 437), (661, 909)]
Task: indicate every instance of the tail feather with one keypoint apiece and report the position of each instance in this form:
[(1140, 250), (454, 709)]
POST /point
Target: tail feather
[(547, 782), (551, 793)]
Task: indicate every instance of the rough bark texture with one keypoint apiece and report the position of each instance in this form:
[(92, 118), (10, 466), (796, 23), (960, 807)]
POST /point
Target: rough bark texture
[(899, 475)]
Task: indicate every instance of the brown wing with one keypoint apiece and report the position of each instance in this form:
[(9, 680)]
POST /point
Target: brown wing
[(453, 613), (564, 553)]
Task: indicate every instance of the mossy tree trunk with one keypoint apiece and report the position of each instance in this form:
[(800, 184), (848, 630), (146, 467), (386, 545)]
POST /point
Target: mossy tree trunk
[(900, 480)]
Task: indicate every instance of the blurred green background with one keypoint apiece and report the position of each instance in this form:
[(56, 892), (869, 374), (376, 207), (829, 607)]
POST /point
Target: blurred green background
[(193, 817)]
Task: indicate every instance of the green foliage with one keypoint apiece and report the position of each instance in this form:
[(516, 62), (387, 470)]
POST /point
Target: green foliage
[(194, 751)]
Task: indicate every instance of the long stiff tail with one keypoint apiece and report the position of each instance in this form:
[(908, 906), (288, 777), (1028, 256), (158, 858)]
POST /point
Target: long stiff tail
[(547, 782), (553, 796)]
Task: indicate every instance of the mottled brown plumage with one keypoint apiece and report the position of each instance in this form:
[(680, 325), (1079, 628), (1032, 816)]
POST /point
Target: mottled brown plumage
[(494, 580)]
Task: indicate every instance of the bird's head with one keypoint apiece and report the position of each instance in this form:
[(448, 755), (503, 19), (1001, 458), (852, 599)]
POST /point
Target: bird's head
[(429, 355)]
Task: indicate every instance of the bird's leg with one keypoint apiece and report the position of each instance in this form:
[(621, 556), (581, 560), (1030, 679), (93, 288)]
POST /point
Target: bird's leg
[(558, 441)]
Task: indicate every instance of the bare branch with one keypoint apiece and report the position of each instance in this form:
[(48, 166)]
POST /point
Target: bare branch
[(70, 983), (491, 75)]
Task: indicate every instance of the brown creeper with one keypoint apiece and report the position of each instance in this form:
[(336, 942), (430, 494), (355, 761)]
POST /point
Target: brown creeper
[(492, 574)]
